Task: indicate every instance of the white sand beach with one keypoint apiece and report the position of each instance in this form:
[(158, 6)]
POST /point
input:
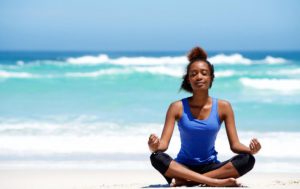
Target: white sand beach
[(94, 179)]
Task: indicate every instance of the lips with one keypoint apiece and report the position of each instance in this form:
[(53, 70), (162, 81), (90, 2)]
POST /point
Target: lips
[(199, 83)]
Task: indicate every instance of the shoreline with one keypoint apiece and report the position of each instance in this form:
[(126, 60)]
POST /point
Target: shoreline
[(90, 179)]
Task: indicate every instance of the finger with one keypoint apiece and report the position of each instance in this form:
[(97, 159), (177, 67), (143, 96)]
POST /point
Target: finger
[(152, 140), (150, 137), (259, 145), (255, 141), (153, 137), (251, 146), (255, 147), (256, 144)]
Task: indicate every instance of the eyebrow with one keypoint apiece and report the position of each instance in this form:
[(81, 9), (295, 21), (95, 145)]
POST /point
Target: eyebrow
[(201, 69)]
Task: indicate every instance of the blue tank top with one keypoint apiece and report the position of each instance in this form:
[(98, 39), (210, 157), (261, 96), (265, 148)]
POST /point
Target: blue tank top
[(198, 136)]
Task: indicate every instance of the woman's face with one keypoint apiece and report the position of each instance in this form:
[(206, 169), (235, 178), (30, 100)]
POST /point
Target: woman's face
[(199, 76)]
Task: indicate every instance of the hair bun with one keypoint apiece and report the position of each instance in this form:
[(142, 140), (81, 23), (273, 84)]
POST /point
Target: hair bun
[(197, 53)]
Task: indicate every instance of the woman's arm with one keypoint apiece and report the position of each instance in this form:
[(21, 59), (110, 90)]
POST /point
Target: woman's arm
[(162, 144), (226, 114)]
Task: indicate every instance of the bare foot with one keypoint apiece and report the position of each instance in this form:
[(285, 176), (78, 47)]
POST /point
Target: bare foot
[(226, 182), (217, 182), (182, 182)]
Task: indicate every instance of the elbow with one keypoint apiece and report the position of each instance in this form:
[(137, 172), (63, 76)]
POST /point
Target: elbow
[(234, 148), (163, 147)]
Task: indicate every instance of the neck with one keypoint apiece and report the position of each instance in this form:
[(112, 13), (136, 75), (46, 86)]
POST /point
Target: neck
[(200, 98)]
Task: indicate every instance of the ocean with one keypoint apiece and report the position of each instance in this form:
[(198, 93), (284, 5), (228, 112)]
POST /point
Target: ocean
[(95, 110)]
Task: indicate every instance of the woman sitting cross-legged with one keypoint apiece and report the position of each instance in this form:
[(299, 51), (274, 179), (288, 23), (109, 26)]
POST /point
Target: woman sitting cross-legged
[(199, 118)]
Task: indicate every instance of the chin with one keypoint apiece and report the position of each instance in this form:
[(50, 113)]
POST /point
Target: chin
[(201, 89)]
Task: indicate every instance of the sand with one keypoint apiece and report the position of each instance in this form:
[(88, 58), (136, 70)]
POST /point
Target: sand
[(95, 179)]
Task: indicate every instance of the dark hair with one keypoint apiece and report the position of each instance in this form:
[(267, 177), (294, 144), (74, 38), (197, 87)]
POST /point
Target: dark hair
[(196, 54)]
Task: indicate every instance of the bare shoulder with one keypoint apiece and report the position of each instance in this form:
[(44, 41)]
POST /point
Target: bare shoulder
[(223, 104), (224, 109), (176, 109), (176, 104)]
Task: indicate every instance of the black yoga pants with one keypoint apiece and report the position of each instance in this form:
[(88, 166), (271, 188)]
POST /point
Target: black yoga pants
[(242, 162)]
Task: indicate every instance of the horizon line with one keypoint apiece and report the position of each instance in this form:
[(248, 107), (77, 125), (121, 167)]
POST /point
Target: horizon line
[(108, 50)]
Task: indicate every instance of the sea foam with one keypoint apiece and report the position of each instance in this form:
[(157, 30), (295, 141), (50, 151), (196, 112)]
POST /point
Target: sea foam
[(91, 136), (283, 85), (168, 60), (6, 74)]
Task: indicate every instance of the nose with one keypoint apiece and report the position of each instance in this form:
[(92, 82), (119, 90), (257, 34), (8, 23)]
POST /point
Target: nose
[(199, 77)]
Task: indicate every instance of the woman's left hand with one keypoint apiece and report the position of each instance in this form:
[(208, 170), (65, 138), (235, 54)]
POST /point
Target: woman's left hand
[(254, 146)]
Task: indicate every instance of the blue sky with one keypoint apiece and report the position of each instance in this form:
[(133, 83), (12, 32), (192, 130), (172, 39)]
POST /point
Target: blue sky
[(149, 25)]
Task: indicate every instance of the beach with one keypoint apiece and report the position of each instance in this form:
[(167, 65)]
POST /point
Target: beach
[(94, 179), (86, 86), (82, 119)]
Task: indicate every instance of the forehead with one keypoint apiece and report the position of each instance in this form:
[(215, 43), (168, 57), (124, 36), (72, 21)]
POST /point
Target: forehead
[(199, 65)]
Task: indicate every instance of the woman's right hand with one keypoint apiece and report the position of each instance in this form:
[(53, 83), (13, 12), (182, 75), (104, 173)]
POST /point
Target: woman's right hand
[(153, 143)]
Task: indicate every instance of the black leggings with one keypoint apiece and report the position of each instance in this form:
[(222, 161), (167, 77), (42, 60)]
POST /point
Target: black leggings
[(242, 162)]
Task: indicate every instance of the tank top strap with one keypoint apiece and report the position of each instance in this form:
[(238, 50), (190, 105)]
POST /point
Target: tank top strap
[(214, 105), (185, 105), (214, 110)]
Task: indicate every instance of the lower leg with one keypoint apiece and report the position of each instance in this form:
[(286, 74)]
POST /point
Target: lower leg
[(177, 170), (226, 171)]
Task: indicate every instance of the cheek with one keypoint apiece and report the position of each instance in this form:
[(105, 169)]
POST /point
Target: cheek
[(209, 78)]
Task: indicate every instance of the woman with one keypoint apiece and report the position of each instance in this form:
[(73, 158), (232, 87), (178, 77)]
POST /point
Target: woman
[(199, 118)]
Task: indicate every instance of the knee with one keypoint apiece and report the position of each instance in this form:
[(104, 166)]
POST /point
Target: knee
[(160, 161), (154, 158), (157, 158), (250, 161), (244, 163)]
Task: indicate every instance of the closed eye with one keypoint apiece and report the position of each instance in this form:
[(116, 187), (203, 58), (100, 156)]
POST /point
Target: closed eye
[(204, 72)]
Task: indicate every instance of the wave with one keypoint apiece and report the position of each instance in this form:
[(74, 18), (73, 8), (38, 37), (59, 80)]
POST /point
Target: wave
[(285, 72), (177, 72), (98, 73), (282, 85), (5, 74), (274, 60), (155, 70), (167, 60), (161, 70), (86, 139), (225, 73), (68, 125), (112, 138), (103, 58), (230, 59)]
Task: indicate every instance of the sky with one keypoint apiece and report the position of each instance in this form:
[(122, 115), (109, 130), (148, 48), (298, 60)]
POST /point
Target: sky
[(137, 25)]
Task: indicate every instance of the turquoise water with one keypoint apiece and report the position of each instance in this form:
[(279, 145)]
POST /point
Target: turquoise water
[(126, 88), (126, 94)]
